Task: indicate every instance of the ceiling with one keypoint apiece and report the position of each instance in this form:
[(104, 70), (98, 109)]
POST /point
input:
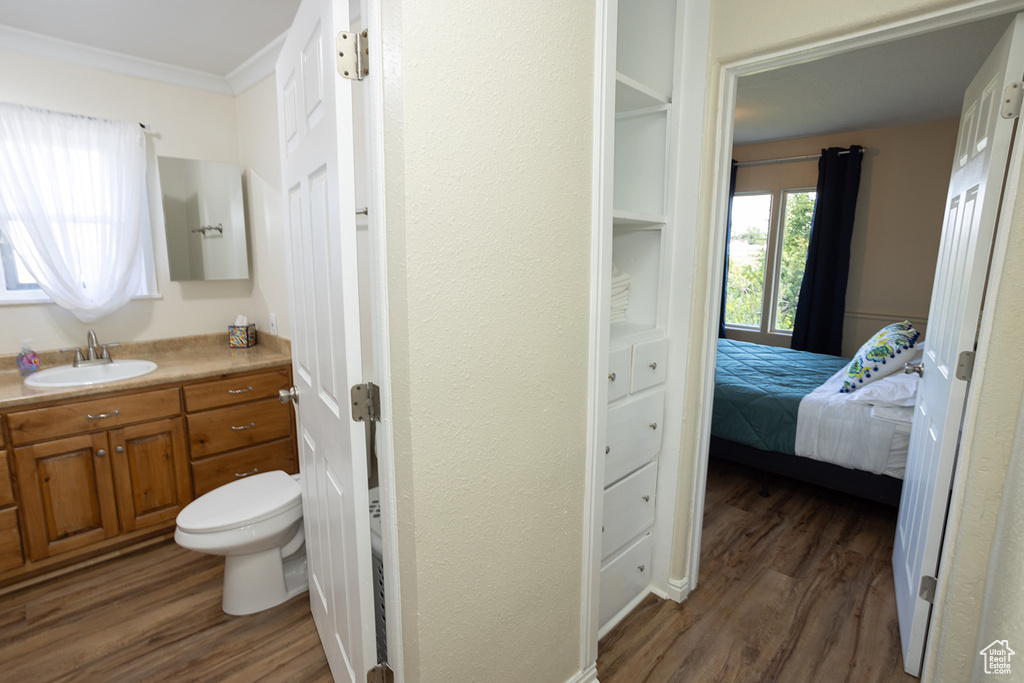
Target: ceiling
[(210, 36), (912, 80)]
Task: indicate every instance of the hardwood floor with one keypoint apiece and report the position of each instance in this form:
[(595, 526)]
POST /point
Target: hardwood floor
[(794, 587), (153, 615)]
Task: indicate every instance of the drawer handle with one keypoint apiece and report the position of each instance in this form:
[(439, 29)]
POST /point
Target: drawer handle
[(653, 366), (102, 415), (241, 427), (653, 425), (607, 450), (640, 567), (101, 453), (119, 450), (240, 391), (611, 376), (254, 470), (646, 499)]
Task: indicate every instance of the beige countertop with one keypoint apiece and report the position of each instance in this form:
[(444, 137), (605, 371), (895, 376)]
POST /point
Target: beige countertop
[(181, 359)]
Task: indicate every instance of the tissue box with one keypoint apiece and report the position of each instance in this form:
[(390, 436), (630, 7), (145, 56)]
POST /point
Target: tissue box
[(242, 336)]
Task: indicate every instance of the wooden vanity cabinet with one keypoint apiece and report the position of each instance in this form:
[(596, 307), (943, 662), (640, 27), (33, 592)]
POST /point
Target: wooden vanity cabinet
[(78, 489), (237, 427), (10, 535)]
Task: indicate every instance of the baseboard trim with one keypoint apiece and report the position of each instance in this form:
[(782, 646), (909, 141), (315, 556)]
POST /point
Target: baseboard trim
[(588, 675), (613, 622), (678, 589)]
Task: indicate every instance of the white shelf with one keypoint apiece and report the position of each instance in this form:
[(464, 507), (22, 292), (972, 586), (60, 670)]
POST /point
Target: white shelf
[(640, 164), (637, 221), (638, 252), (645, 42), (631, 95)]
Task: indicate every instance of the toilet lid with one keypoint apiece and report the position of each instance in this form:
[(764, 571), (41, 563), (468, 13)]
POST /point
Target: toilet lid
[(241, 503)]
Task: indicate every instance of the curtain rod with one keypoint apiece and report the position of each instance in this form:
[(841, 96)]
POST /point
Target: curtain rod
[(786, 160)]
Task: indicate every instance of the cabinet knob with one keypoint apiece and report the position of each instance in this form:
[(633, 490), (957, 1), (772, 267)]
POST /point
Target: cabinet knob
[(119, 449), (646, 499), (654, 366), (101, 453), (607, 450), (653, 425), (640, 567), (611, 376)]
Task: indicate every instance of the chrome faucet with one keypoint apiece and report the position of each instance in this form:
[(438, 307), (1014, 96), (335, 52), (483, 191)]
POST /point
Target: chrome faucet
[(95, 352)]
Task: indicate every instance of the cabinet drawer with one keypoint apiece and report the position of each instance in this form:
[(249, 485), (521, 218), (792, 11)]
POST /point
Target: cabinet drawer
[(209, 473), (10, 540), (634, 435), (6, 492), (628, 508), (624, 578), (649, 365), (225, 429), (28, 426), (618, 368), (234, 390)]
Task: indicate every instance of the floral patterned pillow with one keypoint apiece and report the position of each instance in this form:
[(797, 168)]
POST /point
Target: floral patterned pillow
[(877, 358)]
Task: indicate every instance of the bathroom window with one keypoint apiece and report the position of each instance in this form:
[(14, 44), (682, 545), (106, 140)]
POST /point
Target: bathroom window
[(74, 211)]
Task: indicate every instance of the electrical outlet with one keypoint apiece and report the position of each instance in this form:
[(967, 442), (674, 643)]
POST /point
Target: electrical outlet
[(273, 323)]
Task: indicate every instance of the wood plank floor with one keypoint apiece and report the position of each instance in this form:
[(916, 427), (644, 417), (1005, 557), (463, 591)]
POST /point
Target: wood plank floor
[(794, 587), (153, 615)]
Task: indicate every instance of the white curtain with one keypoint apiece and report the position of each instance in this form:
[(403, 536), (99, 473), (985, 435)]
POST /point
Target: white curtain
[(72, 205)]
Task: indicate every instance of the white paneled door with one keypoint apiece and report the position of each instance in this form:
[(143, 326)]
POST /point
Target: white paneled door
[(972, 206), (315, 110)]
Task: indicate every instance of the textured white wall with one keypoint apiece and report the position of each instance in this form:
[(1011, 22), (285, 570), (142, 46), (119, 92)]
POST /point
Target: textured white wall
[(745, 28), (186, 123), (488, 129)]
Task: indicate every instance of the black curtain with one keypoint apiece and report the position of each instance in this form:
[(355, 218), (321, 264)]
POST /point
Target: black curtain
[(728, 235), (818, 325)]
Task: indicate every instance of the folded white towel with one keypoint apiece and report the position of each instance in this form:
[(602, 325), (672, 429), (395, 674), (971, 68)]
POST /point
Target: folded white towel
[(618, 317)]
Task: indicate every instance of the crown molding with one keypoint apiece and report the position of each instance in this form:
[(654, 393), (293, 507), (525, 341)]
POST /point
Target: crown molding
[(257, 67), (245, 76)]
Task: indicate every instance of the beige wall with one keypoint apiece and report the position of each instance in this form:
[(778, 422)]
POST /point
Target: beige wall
[(488, 171), (186, 123), (903, 183), (745, 28)]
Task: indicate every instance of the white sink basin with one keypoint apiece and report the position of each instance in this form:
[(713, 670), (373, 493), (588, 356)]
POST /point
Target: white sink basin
[(70, 376)]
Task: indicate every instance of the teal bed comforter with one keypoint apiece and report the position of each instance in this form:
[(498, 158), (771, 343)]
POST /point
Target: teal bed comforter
[(758, 391)]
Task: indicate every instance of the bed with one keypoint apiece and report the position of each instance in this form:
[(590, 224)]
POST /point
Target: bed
[(783, 412)]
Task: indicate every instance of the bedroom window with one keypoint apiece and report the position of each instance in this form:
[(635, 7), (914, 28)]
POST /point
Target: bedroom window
[(767, 254)]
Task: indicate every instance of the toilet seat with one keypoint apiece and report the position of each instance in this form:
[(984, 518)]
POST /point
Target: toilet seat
[(241, 503)]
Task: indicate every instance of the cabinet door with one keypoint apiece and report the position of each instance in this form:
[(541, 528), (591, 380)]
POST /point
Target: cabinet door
[(67, 492), (150, 472)]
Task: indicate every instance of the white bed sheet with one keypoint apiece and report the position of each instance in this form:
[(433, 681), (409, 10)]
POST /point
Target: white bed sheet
[(867, 429)]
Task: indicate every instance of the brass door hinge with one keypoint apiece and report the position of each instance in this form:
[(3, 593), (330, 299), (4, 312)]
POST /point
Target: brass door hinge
[(366, 402), (353, 51), (381, 673)]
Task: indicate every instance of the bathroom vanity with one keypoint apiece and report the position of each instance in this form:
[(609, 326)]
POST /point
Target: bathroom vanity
[(94, 470)]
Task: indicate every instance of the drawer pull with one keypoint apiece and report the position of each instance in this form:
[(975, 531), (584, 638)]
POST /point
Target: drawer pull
[(119, 450), (640, 567), (103, 415), (241, 427), (653, 366), (101, 453), (611, 376), (653, 425), (240, 391), (607, 450), (646, 499), (254, 470)]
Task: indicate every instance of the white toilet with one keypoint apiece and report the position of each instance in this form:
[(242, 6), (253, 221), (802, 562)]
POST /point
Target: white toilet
[(256, 523)]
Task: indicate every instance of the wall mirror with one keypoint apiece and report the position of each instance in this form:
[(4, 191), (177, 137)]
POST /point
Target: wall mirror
[(205, 219)]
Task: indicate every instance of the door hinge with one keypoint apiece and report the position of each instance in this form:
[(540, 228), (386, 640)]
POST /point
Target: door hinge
[(965, 365), (1012, 97), (366, 402), (927, 590), (381, 673), (353, 54)]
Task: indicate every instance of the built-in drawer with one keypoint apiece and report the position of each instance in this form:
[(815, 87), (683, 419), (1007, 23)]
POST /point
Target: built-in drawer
[(225, 429), (6, 491), (10, 540), (618, 374), (209, 473), (624, 578), (29, 426), (649, 365), (235, 390), (634, 435), (628, 508)]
